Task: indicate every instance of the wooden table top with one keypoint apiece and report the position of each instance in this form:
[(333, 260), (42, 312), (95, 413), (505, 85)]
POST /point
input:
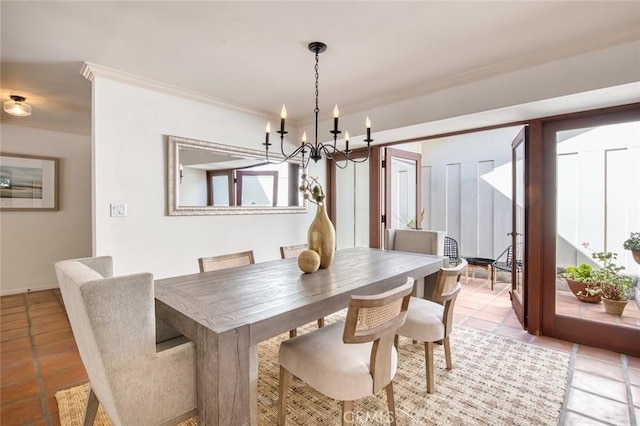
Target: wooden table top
[(273, 297)]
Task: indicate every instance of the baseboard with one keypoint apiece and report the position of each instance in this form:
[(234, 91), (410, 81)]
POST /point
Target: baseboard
[(27, 290)]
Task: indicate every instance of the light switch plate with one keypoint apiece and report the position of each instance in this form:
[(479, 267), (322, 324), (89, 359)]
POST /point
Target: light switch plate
[(118, 210)]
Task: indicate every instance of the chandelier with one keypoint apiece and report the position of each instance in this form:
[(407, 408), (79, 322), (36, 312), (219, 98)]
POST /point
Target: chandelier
[(316, 150)]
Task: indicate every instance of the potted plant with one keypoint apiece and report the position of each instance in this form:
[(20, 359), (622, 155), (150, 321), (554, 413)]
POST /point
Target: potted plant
[(633, 244), (614, 286), (579, 282)]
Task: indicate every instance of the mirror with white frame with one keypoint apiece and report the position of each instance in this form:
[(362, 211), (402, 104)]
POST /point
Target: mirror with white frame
[(206, 178)]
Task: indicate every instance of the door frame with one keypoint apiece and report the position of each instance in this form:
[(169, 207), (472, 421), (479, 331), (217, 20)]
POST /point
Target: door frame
[(615, 338), (386, 165), (520, 307)]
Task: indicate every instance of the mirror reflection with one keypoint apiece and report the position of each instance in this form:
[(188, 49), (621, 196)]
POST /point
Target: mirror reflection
[(208, 178)]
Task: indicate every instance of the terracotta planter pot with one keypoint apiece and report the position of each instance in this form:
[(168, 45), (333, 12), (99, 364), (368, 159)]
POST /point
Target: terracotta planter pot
[(577, 287), (636, 256), (614, 307)]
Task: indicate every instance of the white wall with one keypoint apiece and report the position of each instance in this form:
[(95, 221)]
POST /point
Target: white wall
[(456, 197), (130, 162), (31, 241)]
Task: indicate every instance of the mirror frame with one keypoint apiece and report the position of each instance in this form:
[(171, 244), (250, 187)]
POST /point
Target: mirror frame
[(175, 143)]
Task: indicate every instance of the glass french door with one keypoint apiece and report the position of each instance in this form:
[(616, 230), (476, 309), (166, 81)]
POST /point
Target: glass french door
[(403, 183), (518, 283), (593, 204)]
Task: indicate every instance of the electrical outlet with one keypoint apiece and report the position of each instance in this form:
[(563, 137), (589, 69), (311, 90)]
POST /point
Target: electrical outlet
[(118, 210)]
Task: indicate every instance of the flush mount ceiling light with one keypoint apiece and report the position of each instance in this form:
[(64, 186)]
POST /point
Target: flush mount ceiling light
[(315, 149), (17, 106)]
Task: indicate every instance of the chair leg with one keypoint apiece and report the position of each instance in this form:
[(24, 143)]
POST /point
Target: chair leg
[(91, 408), (293, 333), (391, 404), (282, 391), (447, 353), (347, 413), (396, 340), (320, 322), (428, 363)]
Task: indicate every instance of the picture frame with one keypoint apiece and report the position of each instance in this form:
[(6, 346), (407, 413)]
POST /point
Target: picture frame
[(28, 183)]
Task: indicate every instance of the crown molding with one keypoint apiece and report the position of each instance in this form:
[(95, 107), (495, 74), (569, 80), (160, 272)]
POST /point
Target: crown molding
[(90, 71)]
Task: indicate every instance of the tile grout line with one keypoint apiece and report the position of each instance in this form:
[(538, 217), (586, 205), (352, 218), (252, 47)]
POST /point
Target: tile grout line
[(565, 402), (36, 365), (627, 382)]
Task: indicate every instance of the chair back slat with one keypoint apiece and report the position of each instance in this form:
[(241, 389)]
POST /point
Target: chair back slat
[(287, 252), (369, 318), (448, 282), (215, 263)]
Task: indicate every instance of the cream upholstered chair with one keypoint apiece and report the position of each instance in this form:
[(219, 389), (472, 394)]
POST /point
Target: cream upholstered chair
[(415, 241), (224, 261), (287, 252), (349, 360), (432, 321), (137, 381)]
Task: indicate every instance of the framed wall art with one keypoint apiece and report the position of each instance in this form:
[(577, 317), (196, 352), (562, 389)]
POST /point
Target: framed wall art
[(28, 182)]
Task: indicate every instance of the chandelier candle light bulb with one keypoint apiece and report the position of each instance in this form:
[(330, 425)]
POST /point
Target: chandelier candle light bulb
[(268, 130), (283, 116)]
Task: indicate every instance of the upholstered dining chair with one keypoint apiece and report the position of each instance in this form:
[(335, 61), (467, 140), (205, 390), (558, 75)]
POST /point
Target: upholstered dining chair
[(223, 261), (287, 252), (349, 360), (137, 381), (415, 241), (432, 321)]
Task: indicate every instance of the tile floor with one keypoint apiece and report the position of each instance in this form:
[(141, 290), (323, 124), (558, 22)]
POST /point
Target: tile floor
[(38, 357)]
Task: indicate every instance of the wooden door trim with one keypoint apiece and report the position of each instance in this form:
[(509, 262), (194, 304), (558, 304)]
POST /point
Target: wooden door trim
[(592, 333)]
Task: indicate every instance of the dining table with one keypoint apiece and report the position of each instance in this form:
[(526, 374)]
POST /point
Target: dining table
[(227, 313)]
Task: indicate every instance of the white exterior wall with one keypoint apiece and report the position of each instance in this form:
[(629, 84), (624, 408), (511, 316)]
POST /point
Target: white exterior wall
[(456, 197)]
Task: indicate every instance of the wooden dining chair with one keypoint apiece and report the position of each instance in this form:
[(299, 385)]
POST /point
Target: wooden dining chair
[(432, 321), (287, 252), (214, 263), (349, 360)]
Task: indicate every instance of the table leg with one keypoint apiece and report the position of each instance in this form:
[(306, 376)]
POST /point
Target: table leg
[(253, 377), (222, 376)]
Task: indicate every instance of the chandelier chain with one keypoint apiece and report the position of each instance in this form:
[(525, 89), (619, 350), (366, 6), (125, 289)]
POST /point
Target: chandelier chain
[(317, 109)]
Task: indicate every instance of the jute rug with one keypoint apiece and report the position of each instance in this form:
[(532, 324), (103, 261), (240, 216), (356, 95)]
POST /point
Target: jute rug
[(495, 381)]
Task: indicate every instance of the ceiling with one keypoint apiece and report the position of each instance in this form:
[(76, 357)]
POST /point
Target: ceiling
[(254, 54)]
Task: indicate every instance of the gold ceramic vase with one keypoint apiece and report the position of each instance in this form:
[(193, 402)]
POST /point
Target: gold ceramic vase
[(322, 237)]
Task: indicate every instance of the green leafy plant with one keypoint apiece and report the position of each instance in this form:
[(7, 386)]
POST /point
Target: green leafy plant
[(412, 222), (312, 190), (581, 272), (633, 243), (611, 283)]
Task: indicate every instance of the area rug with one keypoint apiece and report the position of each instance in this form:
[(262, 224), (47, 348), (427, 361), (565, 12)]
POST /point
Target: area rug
[(495, 380)]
